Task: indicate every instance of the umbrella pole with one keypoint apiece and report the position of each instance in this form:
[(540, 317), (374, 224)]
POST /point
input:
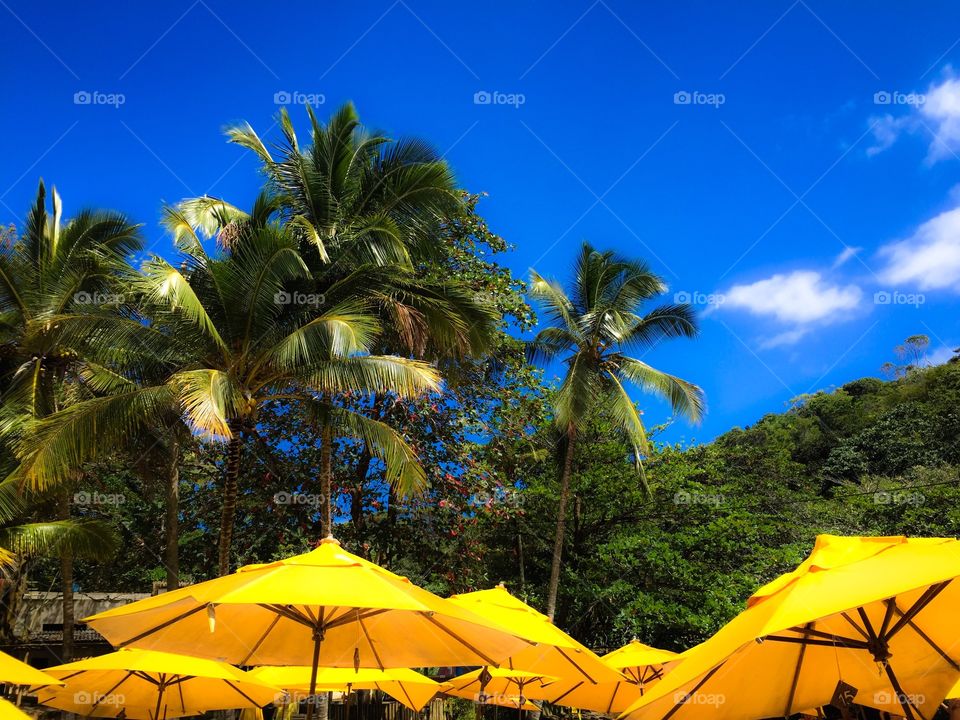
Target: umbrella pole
[(160, 688), (317, 638)]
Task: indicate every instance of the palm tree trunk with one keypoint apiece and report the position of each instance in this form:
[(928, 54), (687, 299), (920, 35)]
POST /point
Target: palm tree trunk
[(565, 474), (520, 559), (356, 494), (171, 522), (326, 477), (229, 506), (66, 577)]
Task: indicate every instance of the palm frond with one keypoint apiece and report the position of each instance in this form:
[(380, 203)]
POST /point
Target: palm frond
[(403, 469), (91, 539), (684, 397), (374, 373)]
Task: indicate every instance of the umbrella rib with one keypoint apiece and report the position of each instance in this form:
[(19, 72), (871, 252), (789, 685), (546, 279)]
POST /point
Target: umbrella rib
[(854, 625), (887, 617), (561, 697), (263, 637), (613, 698), (183, 703), (363, 627), (913, 626), (405, 694), (144, 676), (571, 661), (345, 617), (919, 605), (164, 624), (836, 642), (459, 639), (241, 692), (902, 698), (796, 672), (289, 613), (109, 692), (309, 613), (700, 684)]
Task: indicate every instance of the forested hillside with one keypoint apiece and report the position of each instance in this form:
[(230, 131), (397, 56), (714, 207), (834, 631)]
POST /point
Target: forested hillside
[(668, 565)]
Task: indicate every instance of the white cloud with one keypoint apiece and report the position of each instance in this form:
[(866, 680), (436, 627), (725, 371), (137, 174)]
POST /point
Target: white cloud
[(928, 259), (936, 113), (847, 254), (886, 130), (797, 298), (788, 337), (943, 108), (799, 301)]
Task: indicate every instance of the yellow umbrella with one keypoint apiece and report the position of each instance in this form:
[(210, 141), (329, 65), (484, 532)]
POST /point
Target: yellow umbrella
[(150, 684), (15, 672), (583, 679), (326, 607), (502, 684), (406, 686), (865, 620), (641, 663), (9, 711)]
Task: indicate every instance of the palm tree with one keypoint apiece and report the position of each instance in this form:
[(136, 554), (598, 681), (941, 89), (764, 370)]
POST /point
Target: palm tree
[(591, 328), (22, 538), (369, 212), (56, 267), (221, 331)]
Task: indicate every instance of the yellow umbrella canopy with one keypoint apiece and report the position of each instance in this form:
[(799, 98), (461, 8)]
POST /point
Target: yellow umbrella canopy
[(150, 684), (865, 620), (406, 686), (326, 607), (502, 684), (9, 711), (643, 664), (583, 679), (15, 672)]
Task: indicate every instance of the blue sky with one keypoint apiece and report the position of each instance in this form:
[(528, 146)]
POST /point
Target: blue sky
[(791, 167)]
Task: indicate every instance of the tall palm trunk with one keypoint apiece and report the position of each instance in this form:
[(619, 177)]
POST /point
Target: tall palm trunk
[(171, 521), (356, 494), (326, 477), (66, 577), (229, 506), (566, 472)]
